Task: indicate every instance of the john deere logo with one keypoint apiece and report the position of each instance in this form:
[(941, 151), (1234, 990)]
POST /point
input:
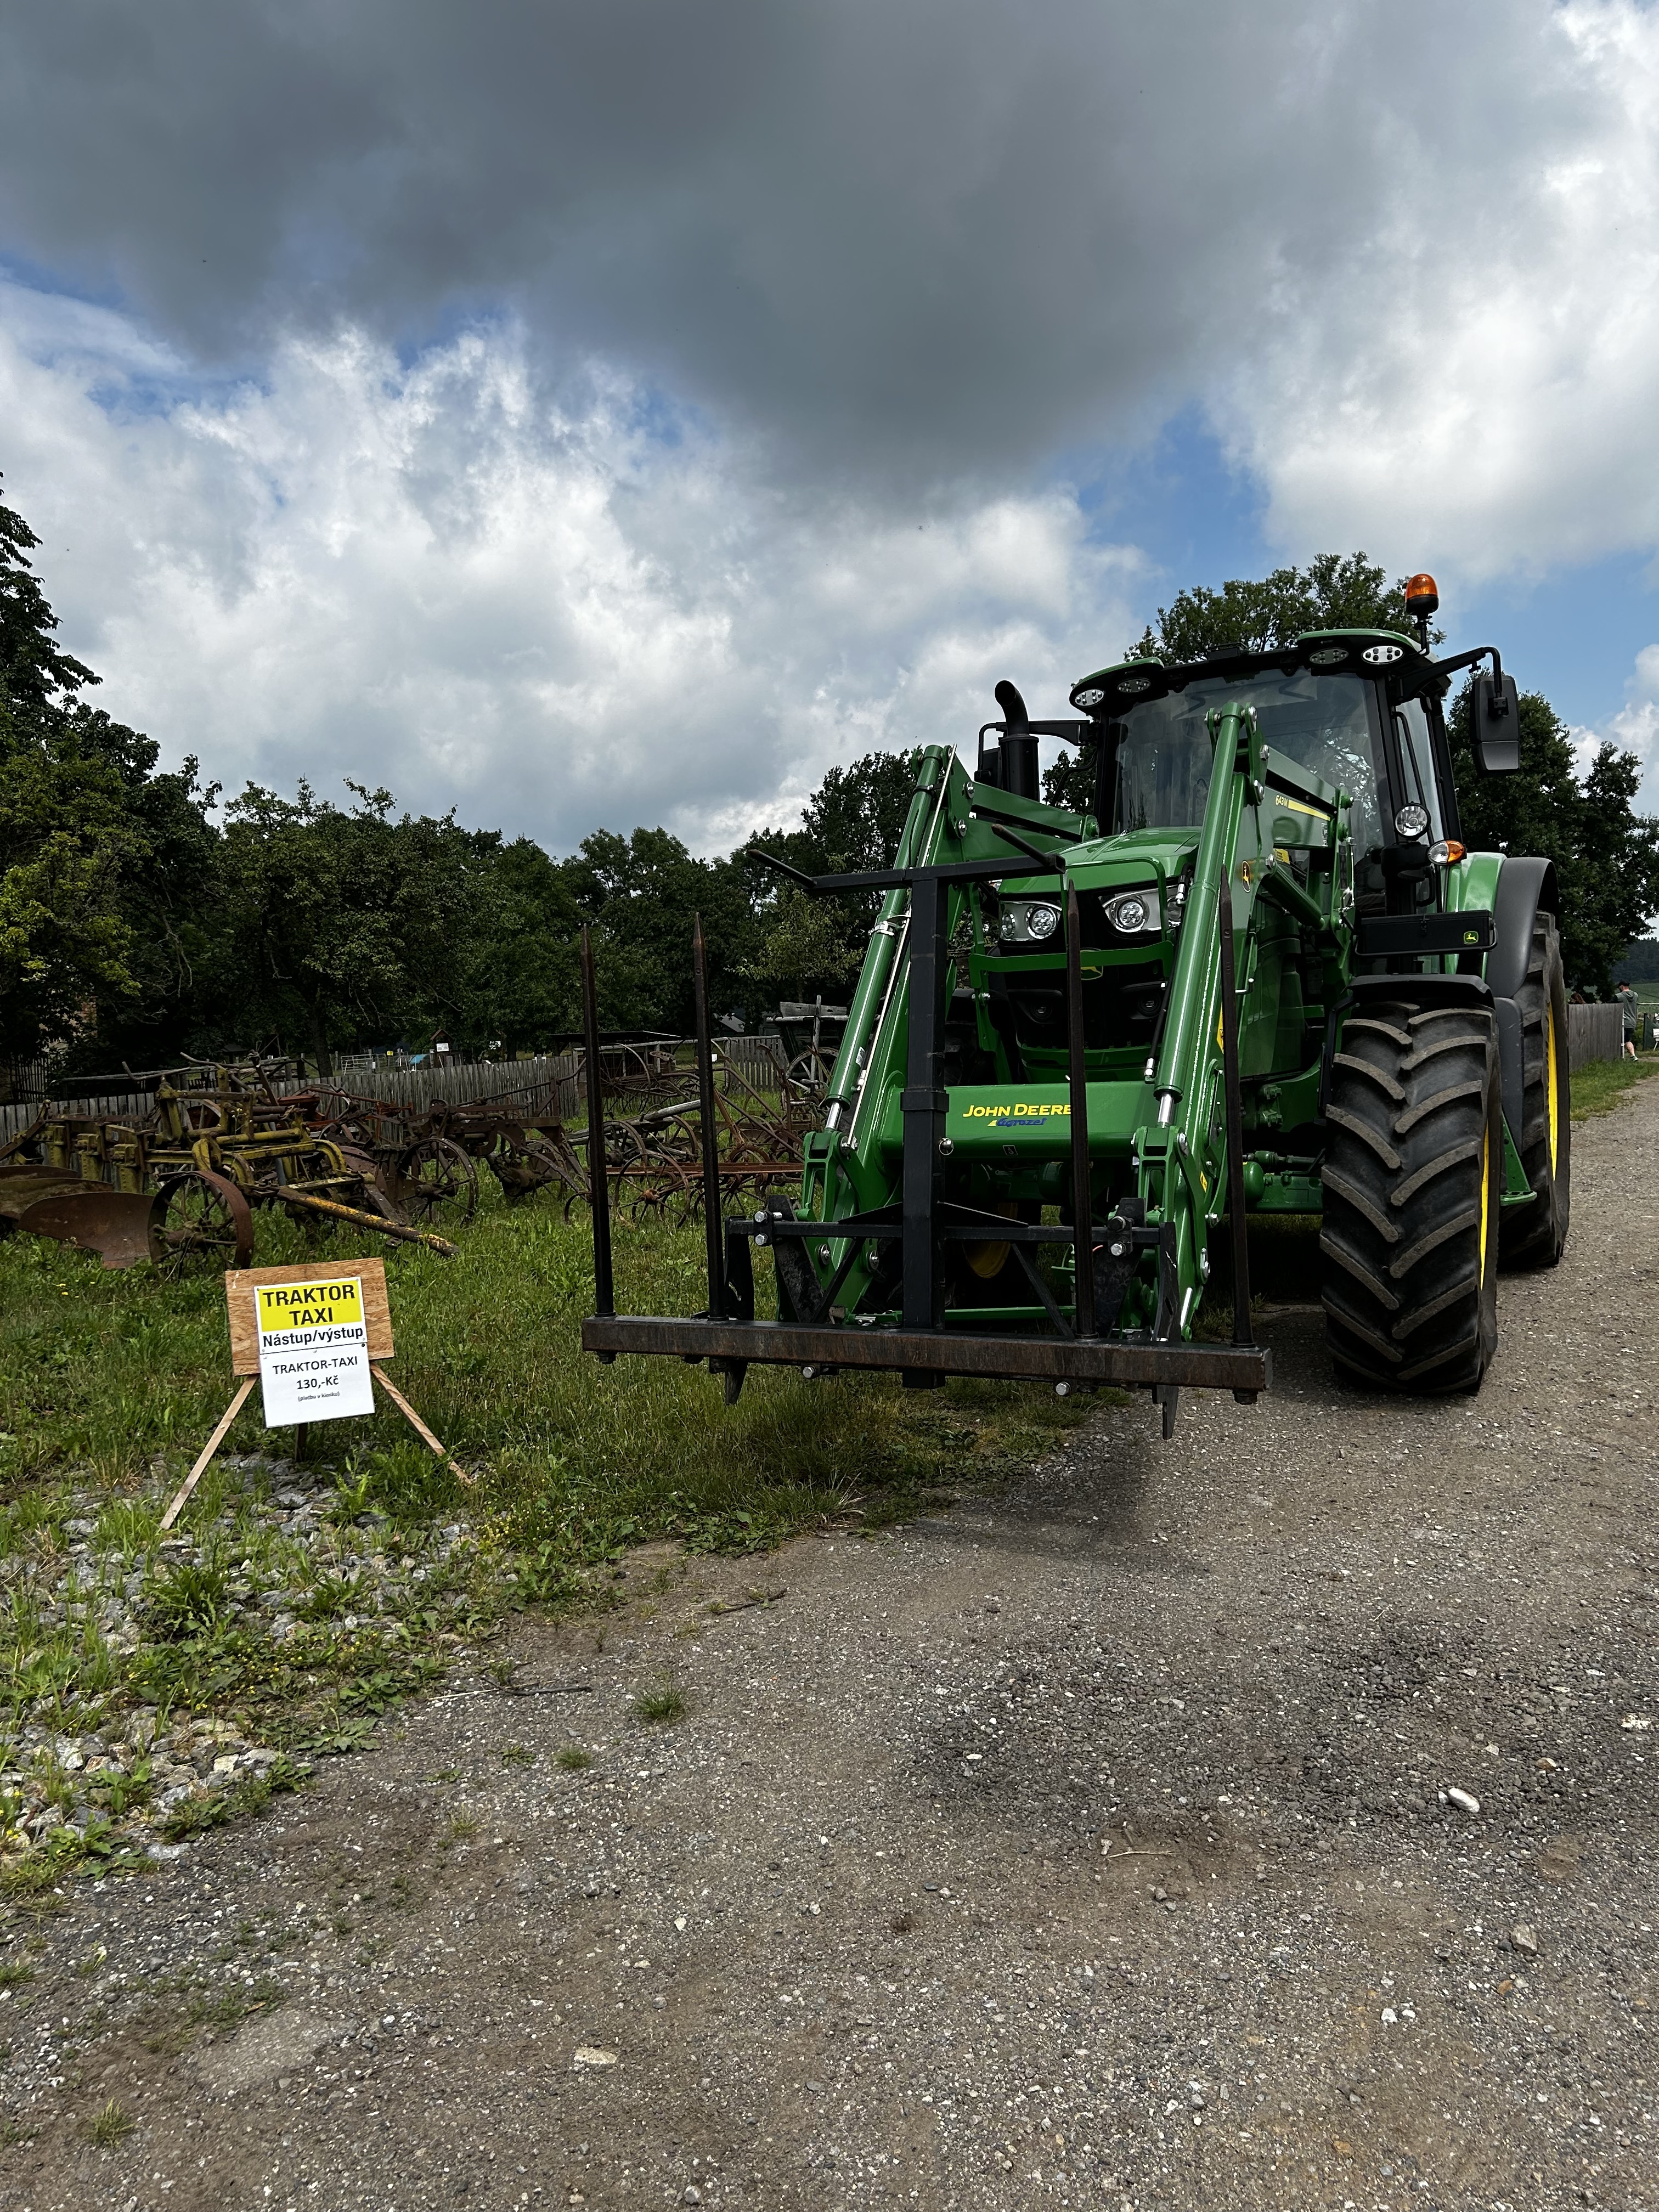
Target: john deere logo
[(1016, 1114), (1470, 937)]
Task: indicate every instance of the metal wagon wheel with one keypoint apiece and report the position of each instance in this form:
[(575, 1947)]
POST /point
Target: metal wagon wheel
[(438, 1179), (203, 1220), (807, 1080)]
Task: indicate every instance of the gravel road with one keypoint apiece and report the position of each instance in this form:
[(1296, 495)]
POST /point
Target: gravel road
[(1262, 1819)]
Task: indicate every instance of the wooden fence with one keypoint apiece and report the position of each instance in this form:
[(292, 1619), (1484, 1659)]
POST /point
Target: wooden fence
[(1594, 1033), (550, 1085)]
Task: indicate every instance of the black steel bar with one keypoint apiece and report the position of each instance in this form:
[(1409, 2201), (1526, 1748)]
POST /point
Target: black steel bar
[(1046, 1296), (923, 1101), (1083, 1210), (887, 879), (1028, 1359), (599, 1180), (712, 1202), (1235, 1104)]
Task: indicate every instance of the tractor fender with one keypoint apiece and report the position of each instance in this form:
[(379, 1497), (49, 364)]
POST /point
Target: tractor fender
[(1524, 885), (1367, 990)]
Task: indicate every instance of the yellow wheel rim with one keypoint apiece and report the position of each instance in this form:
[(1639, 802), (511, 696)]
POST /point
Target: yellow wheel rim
[(1549, 1080), (1485, 1197)]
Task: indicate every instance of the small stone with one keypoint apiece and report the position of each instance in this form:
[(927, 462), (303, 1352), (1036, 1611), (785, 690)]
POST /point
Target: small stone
[(589, 2056), (691, 2194), (1464, 1800), (1390, 2017), (1524, 1939)]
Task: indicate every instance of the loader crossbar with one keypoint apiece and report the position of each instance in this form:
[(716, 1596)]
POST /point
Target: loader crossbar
[(1244, 1367)]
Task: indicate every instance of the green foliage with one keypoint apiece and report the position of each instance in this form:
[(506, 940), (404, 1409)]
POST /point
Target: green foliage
[(189, 1601), (134, 926), (347, 922), (1605, 856), (641, 893), (803, 946), (1335, 591), (1640, 964)]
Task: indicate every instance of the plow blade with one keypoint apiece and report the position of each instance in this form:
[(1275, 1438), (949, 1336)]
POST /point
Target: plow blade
[(120, 1225), (1243, 1367)]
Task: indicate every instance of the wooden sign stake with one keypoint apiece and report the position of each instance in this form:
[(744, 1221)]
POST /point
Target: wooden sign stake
[(213, 1444), (239, 1286)]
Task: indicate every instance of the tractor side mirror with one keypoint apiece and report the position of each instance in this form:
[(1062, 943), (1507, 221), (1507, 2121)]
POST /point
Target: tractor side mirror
[(1495, 725)]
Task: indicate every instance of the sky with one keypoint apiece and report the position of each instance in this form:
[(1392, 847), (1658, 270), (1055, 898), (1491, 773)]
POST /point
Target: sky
[(604, 412)]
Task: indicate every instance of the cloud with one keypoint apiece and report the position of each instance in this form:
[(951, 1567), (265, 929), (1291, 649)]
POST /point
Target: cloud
[(1396, 249), (1476, 384), (596, 412), (1633, 729), (435, 575)]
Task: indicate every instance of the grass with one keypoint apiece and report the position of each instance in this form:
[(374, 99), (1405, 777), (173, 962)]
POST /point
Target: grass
[(1599, 1085), (107, 1373), (111, 2125), (659, 1704), (572, 1758)]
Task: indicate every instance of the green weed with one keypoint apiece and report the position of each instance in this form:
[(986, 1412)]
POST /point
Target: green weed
[(111, 2125), (659, 1704), (190, 1601), (572, 1758)]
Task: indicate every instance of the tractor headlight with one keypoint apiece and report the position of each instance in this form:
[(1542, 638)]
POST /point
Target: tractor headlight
[(1133, 913), (1028, 921)]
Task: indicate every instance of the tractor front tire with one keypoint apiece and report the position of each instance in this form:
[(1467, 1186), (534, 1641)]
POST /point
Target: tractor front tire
[(1534, 1235), (1413, 1176)]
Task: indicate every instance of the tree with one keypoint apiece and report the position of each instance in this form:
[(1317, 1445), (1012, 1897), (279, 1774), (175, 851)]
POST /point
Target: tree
[(641, 893), (75, 848), (530, 989), (1605, 856), (1335, 591), (350, 927), (805, 945)]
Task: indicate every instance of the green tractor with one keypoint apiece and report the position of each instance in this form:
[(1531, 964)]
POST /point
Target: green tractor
[(1261, 974)]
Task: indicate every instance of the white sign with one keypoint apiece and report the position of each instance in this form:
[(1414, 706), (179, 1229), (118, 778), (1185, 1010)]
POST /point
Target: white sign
[(313, 1351)]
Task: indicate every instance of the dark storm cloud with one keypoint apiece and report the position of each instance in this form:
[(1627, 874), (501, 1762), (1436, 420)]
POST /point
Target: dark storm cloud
[(901, 235)]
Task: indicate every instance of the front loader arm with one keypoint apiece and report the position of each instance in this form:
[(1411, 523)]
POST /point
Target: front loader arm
[(1181, 1159)]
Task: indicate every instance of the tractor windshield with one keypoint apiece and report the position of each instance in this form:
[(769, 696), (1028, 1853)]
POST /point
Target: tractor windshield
[(1163, 749)]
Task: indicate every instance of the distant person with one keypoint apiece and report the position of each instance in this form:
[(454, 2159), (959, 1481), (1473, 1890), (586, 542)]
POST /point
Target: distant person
[(1630, 1009)]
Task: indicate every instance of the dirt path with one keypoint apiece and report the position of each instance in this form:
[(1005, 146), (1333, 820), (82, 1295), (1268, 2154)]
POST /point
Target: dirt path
[(1086, 1847)]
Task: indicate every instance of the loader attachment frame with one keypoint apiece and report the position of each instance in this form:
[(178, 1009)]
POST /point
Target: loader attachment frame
[(1077, 1348)]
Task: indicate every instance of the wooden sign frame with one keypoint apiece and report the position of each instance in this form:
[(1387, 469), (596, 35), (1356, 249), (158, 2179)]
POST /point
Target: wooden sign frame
[(242, 1309), (240, 1284)]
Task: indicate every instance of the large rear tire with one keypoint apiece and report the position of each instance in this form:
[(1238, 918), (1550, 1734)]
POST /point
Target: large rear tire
[(1413, 1178), (1534, 1235)]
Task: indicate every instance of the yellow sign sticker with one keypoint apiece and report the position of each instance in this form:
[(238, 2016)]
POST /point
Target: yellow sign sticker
[(335, 1304)]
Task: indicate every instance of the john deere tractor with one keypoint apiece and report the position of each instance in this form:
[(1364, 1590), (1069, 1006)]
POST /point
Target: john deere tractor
[(1259, 975)]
